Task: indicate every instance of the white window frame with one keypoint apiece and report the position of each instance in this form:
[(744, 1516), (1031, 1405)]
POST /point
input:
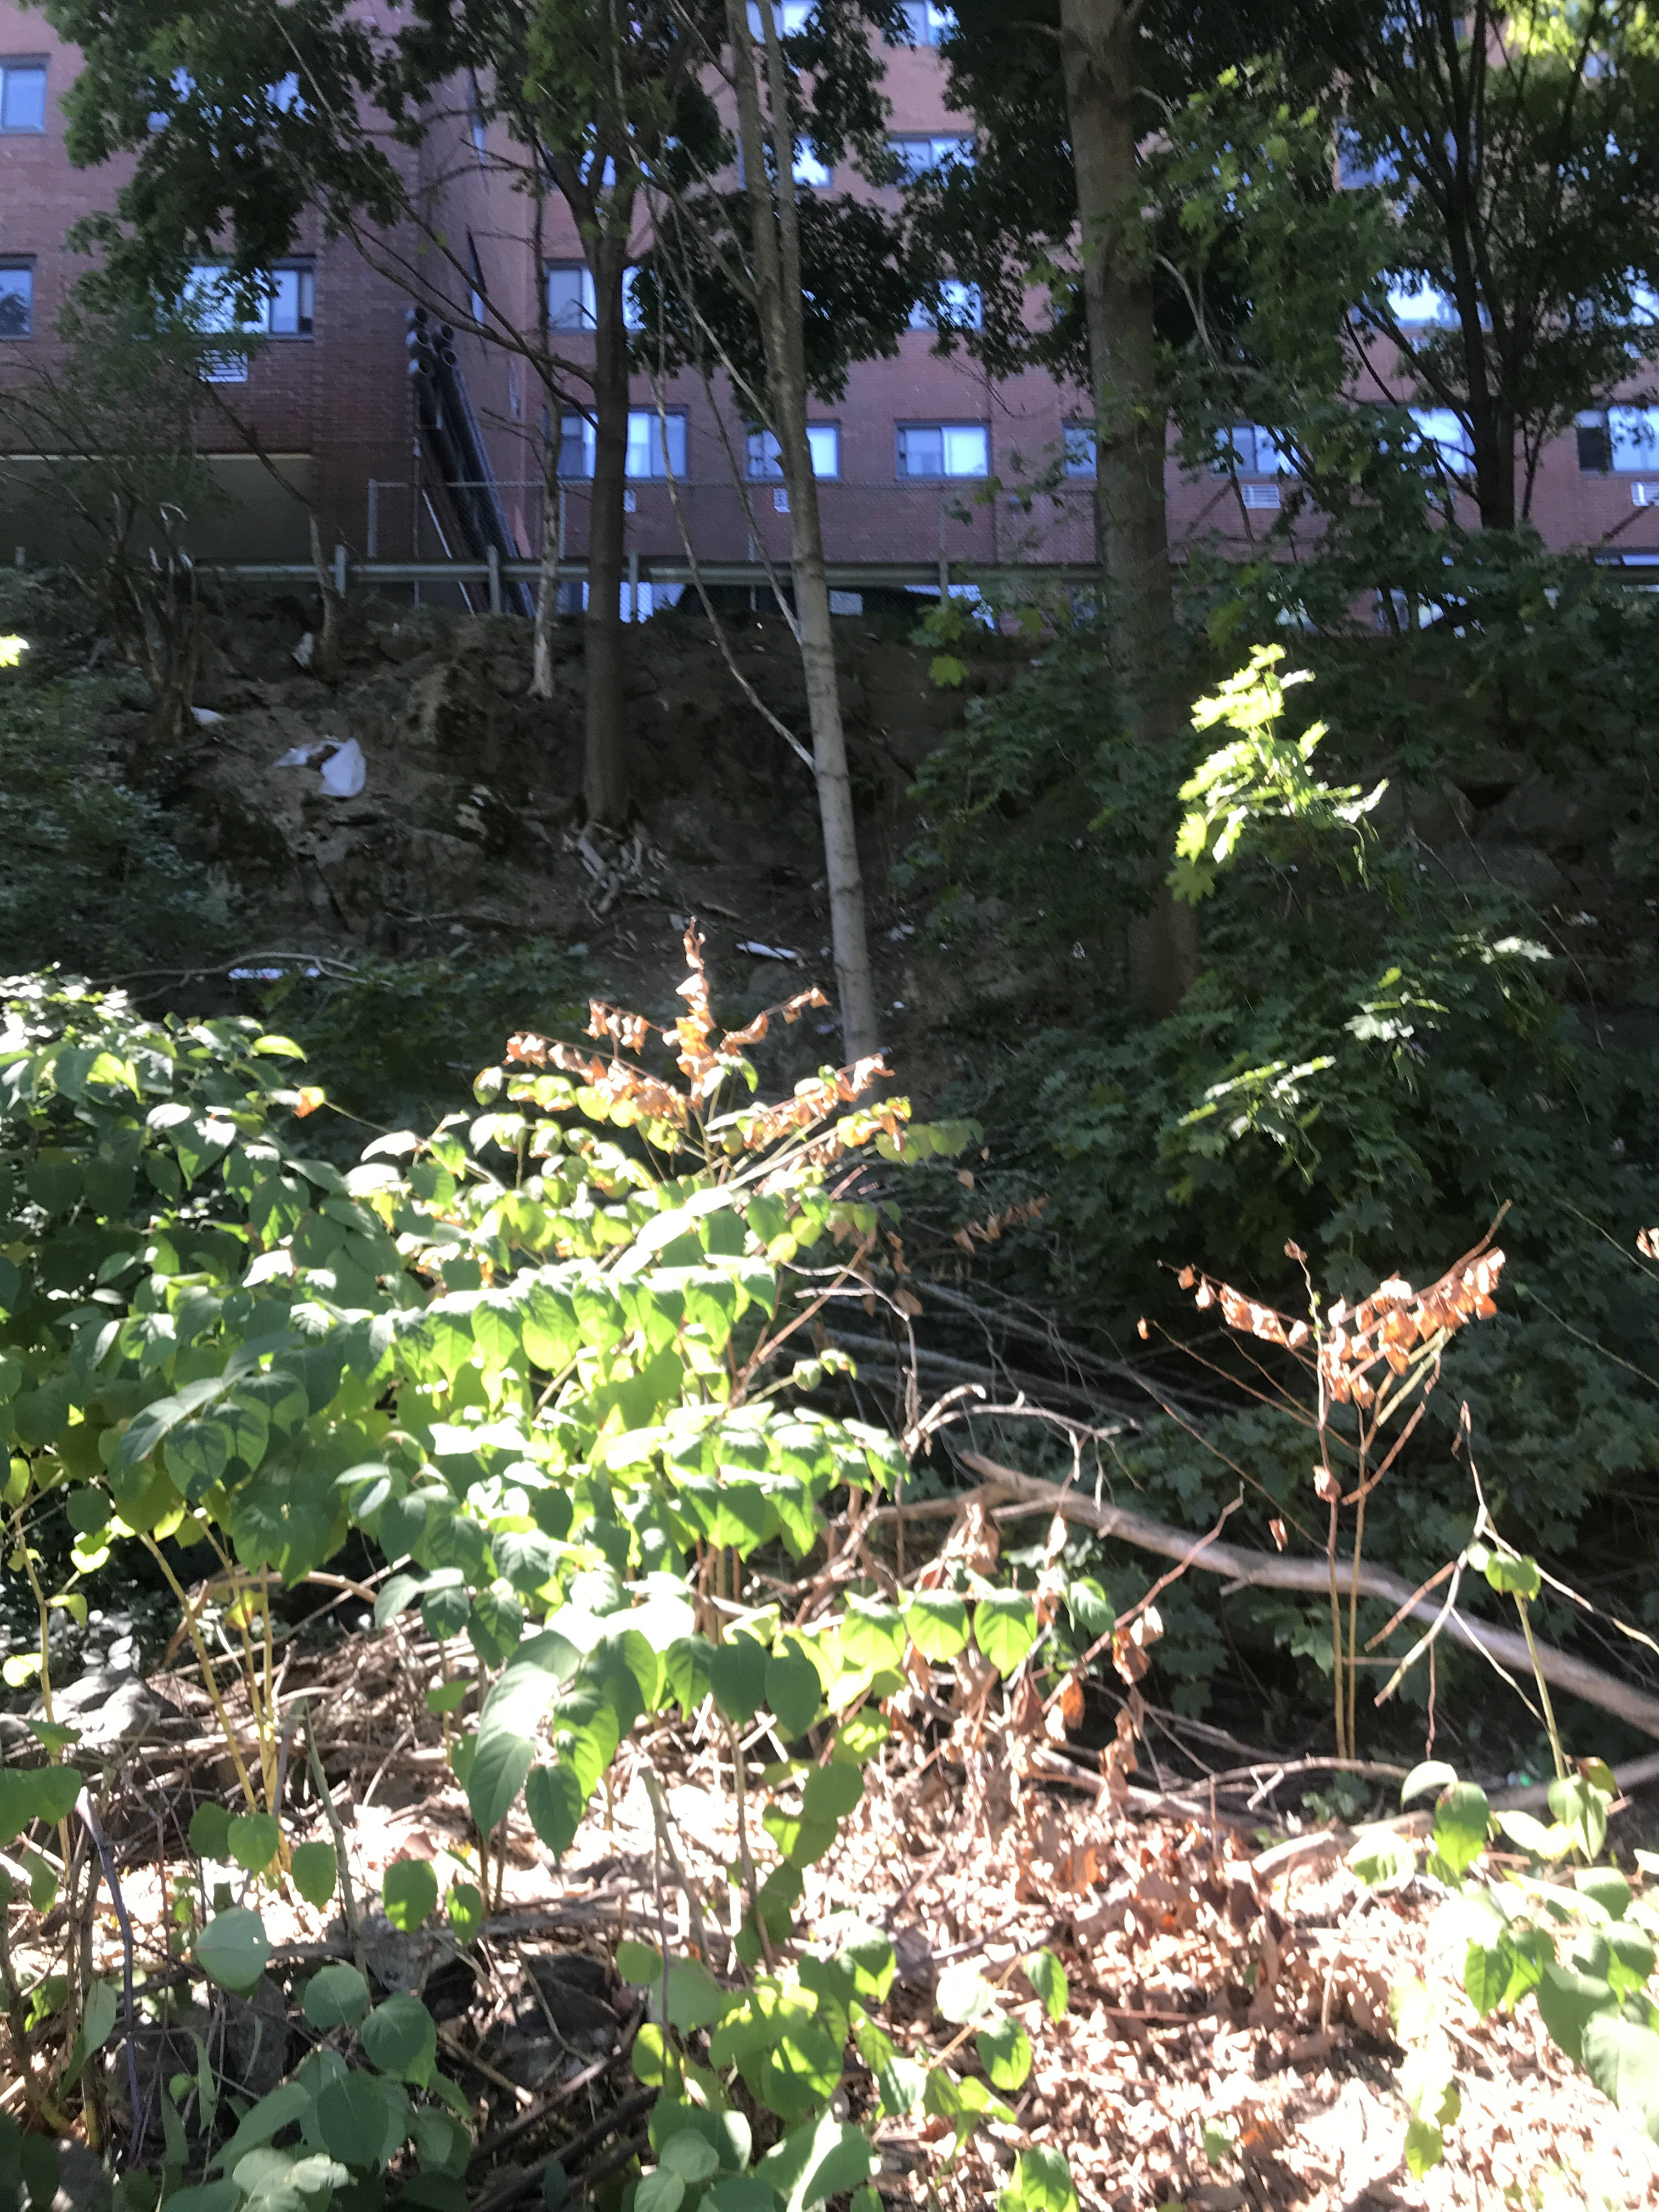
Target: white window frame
[(1079, 449), (645, 443), (1442, 435), (23, 65), (1242, 454), (947, 431), (943, 148), (764, 466), (586, 302)]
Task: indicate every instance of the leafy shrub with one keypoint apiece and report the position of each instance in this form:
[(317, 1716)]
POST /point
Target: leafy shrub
[(550, 1370), (94, 877)]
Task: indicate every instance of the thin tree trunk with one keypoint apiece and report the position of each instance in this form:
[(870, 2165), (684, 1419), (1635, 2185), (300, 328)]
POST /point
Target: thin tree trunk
[(329, 641), (778, 288), (547, 578), (605, 766), (1098, 47)]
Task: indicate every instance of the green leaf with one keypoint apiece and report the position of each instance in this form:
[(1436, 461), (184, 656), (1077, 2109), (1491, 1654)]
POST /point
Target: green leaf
[(825, 2159), (964, 1995), (1622, 2059), (830, 1792), (400, 2036), (873, 1636), (351, 2119), (1004, 1628), (737, 1672), (1430, 1774), (465, 1906), (1582, 1809), (1568, 2001), (409, 1892), (1042, 2182), (1381, 1856), (252, 1839), (39, 1793), (1425, 2147), (337, 1996), (1606, 1886), (1513, 1576), (938, 1624), (447, 1697), (690, 2156), (662, 2191), (98, 2013), (1047, 1978), (793, 1693), (555, 1799), (1462, 1820), (1218, 2143), (210, 1831), (314, 1871), (501, 1760), (233, 1948), (1004, 2051)]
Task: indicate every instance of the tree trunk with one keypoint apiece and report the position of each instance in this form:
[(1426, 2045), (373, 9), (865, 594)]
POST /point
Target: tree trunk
[(547, 578), (778, 296), (328, 643), (604, 778), (1098, 47)]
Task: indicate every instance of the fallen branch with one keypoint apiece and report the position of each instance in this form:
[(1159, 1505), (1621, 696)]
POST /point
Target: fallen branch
[(1263, 1571)]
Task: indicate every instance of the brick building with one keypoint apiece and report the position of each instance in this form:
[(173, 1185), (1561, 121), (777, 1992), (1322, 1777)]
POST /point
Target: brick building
[(905, 458)]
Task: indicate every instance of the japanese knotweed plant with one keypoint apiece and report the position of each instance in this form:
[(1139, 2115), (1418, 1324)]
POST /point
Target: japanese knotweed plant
[(556, 1364)]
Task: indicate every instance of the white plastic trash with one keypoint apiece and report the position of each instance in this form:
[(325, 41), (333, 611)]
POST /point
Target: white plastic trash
[(204, 717), (345, 771)]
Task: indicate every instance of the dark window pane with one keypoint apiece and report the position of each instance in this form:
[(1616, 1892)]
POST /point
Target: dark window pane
[(16, 303)]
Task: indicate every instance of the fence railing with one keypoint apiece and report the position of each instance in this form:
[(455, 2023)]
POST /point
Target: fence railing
[(495, 575)]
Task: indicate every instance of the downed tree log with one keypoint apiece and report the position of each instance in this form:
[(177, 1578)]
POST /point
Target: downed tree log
[(1264, 1570)]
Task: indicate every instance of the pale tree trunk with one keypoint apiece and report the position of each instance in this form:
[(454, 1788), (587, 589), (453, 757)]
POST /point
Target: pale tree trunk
[(547, 578), (1098, 47), (327, 644), (777, 272), (604, 778)]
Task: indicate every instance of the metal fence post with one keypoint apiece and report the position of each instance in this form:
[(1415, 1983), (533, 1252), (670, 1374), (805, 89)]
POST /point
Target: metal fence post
[(493, 557), (373, 518), (342, 564), (633, 584)]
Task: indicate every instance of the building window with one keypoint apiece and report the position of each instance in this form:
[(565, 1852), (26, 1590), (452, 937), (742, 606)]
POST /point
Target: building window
[(1416, 304), (570, 298), (789, 16), (647, 456), (476, 128), (1079, 449), (809, 170), (944, 449), (924, 25), (16, 298), (823, 437), (957, 306), (1443, 434), (293, 298), (1625, 440), (916, 157), (22, 96), (1250, 451)]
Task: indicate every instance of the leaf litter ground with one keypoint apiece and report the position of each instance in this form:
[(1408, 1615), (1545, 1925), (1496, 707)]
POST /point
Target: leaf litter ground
[(1191, 2067)]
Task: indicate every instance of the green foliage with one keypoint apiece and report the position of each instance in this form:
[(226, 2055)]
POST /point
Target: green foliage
[(94, 875), (533, 1362), (1593, 2002), (1260, 778)]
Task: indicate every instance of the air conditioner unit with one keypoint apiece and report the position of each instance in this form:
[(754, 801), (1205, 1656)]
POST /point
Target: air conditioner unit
[(1261, 495), (1644, 494)]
